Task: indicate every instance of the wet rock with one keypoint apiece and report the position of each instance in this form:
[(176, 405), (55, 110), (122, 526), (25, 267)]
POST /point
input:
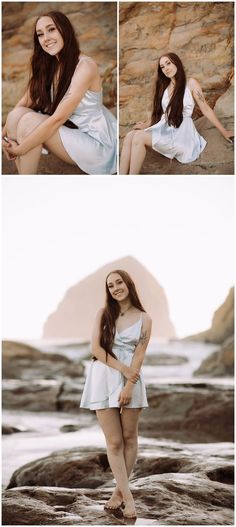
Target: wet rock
[(34, 395), (21, 361), (69, 428), (6, 429), (164, 359), (219, 363), (173, 499), (198, 412), (64, 469)]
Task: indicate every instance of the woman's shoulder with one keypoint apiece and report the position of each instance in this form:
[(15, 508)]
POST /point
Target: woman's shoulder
[(193, 83), (146, 317), (87, 63)]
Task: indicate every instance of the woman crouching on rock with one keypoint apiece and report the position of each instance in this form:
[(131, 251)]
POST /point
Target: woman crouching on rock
[(62, 108), (114, 386), (171, 130)]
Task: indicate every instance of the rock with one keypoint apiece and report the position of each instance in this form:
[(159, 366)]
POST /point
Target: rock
[(181, 497), (199, 412), (47, 395), (77, 310), (64, 469), (6, 429), (164, 359), (69, 428), (222, 326), (219, 363), (95, 28), (21, 361), (34, 395)]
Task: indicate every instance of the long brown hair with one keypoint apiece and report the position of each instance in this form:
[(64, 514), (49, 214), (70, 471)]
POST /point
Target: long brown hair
[(174, 110), (44, 66), (112, 310)]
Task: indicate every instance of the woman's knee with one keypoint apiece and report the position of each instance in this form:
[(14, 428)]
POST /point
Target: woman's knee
[(129, 137), (130, 439), (13, 118), (28, 122), (138, 137), (115, 444)]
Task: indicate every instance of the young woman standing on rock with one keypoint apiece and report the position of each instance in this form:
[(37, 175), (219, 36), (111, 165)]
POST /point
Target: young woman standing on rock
[(114, 386), (62, 108), (171, 130)]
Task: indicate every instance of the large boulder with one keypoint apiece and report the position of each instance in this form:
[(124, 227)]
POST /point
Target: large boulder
[(25, 362)]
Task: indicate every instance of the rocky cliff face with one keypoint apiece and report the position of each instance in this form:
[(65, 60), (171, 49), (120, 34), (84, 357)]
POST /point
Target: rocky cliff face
[(95, 26), (200, 33), (221, 362), (76, 312), (222, 327)]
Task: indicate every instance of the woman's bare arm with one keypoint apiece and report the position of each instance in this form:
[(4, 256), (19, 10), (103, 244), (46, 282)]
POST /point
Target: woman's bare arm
[(138, 358), (130, 373), (81, 82), (206, 110)]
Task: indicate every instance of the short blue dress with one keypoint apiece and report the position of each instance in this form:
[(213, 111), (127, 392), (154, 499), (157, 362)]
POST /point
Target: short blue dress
[(104, 384), (183, 143)]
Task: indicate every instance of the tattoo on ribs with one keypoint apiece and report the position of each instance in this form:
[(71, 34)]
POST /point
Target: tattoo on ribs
[(200, 96), (143, 337)]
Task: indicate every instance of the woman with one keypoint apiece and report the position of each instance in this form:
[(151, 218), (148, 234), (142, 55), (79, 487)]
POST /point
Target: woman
[(171, 130), (62, 107), (114, 386)]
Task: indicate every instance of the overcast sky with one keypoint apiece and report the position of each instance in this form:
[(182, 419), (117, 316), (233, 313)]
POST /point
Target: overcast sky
[(57, 230)]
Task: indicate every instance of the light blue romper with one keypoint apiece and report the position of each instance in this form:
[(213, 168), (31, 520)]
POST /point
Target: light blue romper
[(183, 143), (93, 144), (104, 384)]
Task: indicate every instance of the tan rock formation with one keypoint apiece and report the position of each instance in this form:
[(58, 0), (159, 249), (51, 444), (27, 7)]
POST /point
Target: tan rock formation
[(77, 310), (222, 326), (95, 26)]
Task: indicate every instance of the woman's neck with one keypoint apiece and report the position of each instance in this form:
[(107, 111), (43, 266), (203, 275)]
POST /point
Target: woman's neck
[(125, 305)]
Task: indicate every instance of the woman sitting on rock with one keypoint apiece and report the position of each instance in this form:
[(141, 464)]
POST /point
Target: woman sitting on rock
[(114, 386), (62, 107), (171, 131)]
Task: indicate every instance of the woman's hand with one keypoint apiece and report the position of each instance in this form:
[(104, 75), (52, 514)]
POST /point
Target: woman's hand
[(7, 149), (11, 147), (229, 136), (126, 394), (132, 374)]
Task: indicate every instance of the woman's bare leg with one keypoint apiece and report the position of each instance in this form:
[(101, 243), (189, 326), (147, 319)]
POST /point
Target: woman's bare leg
[(140, 140), (110, 422), (28, 163), (129, 423), (126, 153), (12, 122)]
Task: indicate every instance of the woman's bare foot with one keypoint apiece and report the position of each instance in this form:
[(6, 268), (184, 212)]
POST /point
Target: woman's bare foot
[(115, 501), (129, 509)]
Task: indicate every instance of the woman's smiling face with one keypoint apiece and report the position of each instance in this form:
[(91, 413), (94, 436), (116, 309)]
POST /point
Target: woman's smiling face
[(49, 36), (169, 69), (117, 287)]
